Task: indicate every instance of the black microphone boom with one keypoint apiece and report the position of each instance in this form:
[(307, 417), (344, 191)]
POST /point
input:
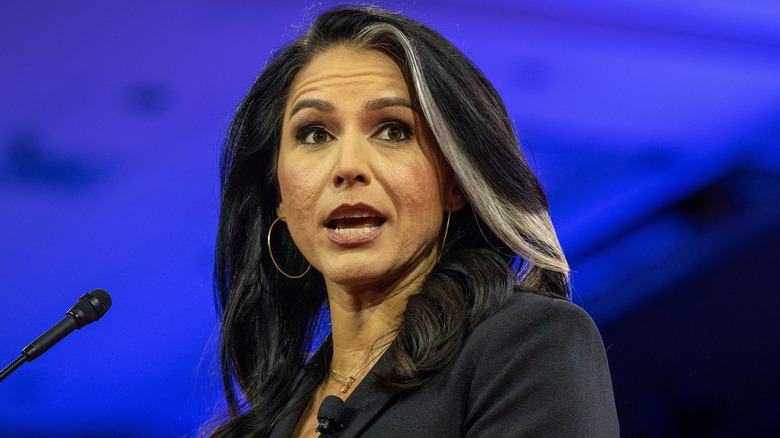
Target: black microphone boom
[(88, 309)]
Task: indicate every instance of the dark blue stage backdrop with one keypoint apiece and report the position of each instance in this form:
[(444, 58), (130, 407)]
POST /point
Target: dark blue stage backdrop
[(655, 127)]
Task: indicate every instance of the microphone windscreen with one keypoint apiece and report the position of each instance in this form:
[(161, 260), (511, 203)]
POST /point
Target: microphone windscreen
[(90, 307), (100, 299), (332, 408)]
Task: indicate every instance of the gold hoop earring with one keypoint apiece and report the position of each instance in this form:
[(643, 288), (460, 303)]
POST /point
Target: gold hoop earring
[(273, 260), (446, 229)]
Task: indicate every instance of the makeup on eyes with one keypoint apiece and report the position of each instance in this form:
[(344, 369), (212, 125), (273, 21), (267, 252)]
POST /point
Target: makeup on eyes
[(317, 133)]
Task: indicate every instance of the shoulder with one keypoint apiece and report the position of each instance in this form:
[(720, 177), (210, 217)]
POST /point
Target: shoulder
[(527, 316), (539, 368), (530, 324)]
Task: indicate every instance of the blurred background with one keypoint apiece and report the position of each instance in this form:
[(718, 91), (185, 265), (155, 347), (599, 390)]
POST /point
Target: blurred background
[(654, 125)]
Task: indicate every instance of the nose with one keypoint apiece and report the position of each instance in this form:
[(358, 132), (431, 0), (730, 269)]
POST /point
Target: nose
[(352, 161)]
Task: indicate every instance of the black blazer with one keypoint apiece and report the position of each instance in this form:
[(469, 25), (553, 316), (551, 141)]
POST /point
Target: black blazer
[(537, 368)]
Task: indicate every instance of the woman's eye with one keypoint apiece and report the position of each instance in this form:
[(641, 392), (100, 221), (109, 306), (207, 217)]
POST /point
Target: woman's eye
[(394, 131), (313, 135)]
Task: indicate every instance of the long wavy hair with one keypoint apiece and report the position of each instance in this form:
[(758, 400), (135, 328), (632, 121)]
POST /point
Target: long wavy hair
[(502, 241)]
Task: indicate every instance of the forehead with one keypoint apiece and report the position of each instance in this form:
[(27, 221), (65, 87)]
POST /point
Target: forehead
[(345, 71)]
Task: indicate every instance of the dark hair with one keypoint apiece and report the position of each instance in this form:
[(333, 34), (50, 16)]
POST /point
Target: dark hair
[(502, 240)]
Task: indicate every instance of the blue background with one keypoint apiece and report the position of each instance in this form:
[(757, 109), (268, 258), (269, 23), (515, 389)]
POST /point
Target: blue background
[(654, 126)]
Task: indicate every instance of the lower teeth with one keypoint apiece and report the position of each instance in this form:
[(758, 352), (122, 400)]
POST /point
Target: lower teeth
[(347, 231)]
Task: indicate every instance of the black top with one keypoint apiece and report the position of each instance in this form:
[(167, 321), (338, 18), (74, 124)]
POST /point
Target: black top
[(537, 368)]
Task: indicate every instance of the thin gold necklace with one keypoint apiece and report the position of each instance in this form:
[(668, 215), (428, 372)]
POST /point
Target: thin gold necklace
[(347, 380)]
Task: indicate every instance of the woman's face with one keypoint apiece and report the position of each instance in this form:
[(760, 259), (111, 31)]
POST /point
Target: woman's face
[(362, 189)]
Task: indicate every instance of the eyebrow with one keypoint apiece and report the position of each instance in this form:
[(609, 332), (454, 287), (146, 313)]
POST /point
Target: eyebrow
[(317, 104), (385, 102), (374, 105)]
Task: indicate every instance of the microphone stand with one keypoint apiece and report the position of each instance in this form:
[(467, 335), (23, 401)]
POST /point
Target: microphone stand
[(12, 367)]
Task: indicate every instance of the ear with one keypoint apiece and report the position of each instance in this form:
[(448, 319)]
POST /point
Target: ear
[(454, 199), (280, 209)]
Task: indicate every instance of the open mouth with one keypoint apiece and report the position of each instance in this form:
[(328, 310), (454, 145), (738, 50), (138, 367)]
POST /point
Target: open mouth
[(349, 220), (355, 222)]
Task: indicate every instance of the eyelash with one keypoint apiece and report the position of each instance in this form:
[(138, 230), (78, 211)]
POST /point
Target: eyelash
[(306, 130), (404, 127), (303, 133)]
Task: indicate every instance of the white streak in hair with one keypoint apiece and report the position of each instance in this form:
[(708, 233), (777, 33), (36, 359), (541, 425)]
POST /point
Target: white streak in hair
[(509, 222)]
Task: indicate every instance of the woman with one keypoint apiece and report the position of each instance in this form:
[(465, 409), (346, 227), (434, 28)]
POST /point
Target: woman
[(372, 172)]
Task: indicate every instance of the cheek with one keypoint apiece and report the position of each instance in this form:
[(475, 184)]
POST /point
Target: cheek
[(419, 190), (298, 192), (297, 189)]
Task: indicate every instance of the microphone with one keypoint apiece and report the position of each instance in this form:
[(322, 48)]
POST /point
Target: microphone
[(330, 415), (88, 309)]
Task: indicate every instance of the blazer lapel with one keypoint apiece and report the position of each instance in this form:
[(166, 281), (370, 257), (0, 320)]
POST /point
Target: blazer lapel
[(366, 402), (300, 398), (303, 391), (360, 408)]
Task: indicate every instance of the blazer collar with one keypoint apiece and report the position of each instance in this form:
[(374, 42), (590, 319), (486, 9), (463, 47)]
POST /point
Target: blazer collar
[(366, 402), (362, 406)]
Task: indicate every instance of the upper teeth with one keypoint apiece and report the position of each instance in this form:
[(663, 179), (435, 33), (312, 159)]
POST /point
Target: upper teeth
[(352, 214)]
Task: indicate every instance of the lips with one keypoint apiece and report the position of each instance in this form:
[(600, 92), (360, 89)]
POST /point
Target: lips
[(354, 223)]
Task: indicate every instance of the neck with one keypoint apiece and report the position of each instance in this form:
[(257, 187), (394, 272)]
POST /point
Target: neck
[(362, 329), (364, 319)]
